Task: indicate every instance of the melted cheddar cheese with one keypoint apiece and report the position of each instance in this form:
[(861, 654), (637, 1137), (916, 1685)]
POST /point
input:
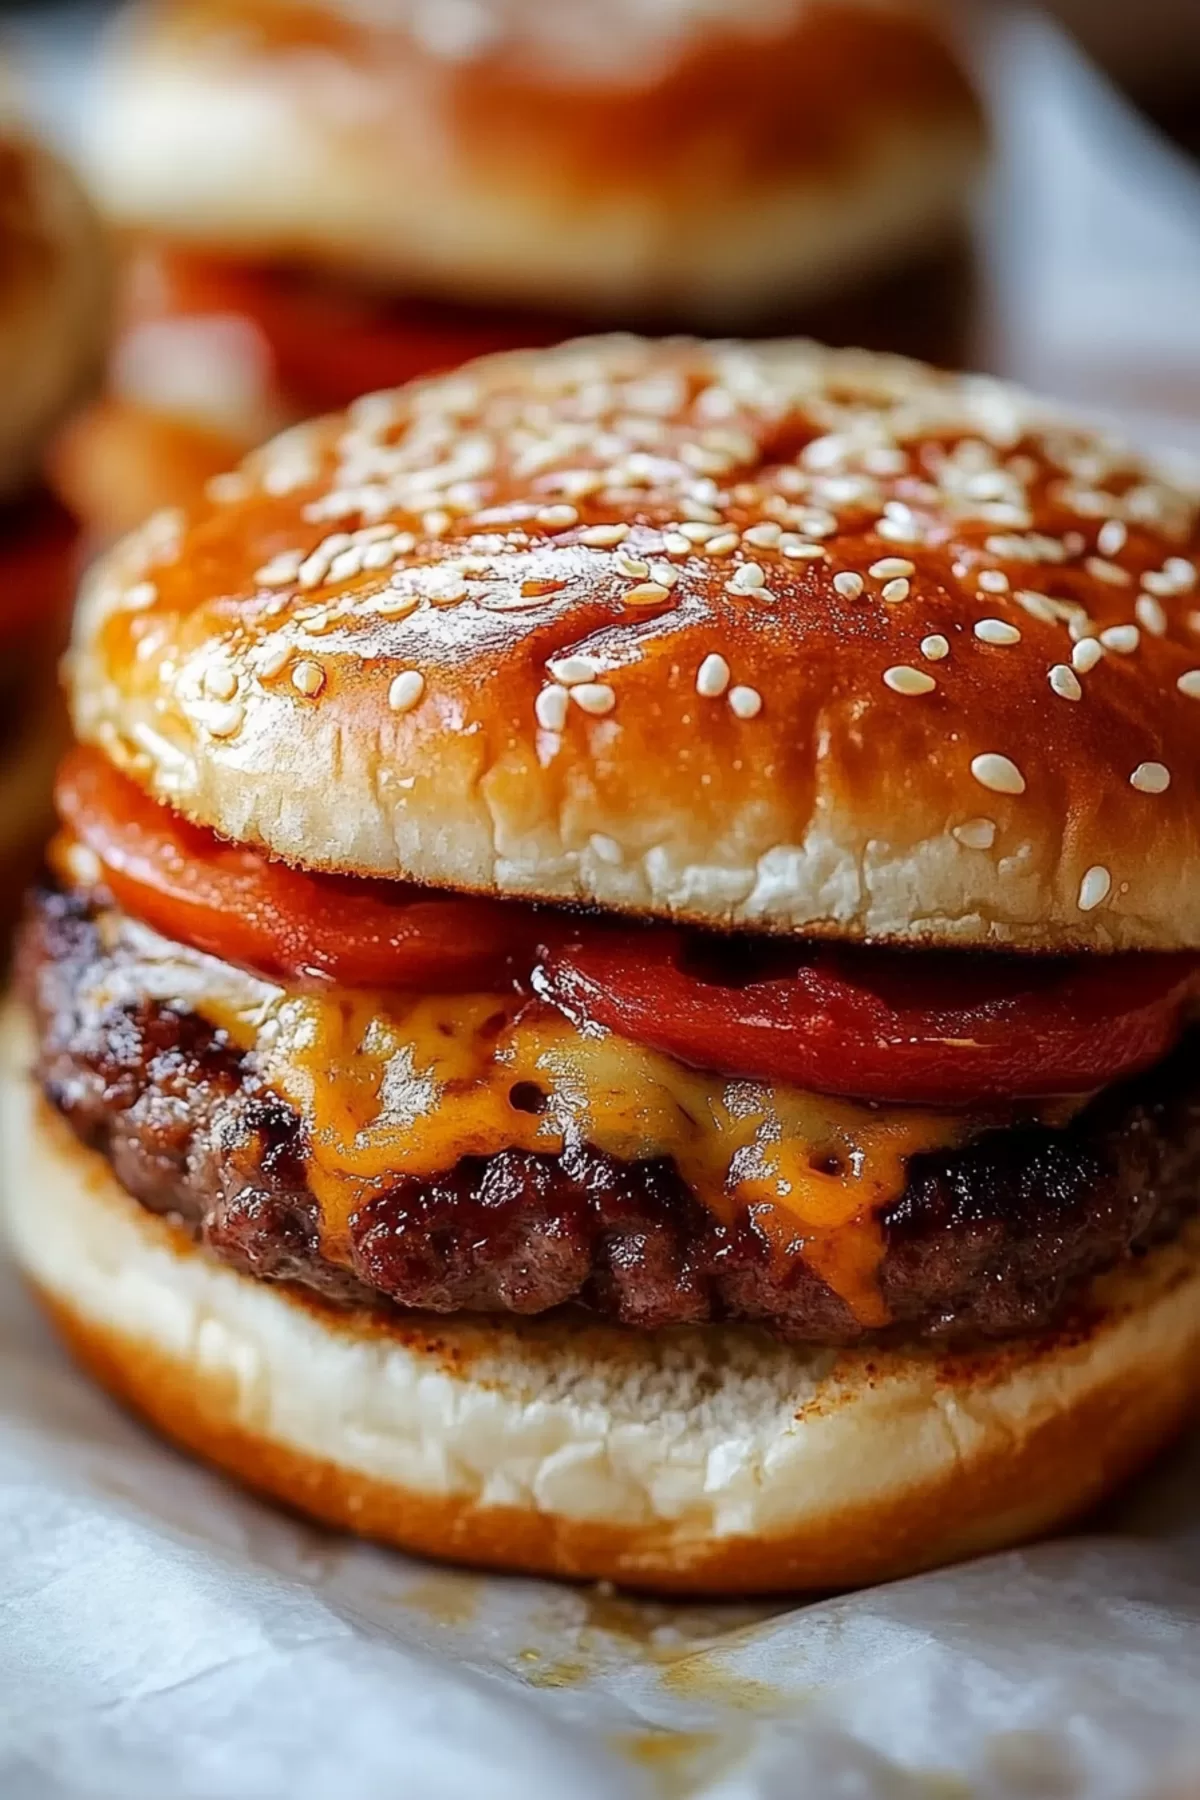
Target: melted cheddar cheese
[(389, 1084)]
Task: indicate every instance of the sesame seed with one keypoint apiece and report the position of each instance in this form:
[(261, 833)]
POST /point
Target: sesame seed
[(902, 679), (225, 720), (675, 544), (763, 537), (935, 648), (976, 834), (138, 597), (1086, 654), (558, 518), (698, 531), (849, 584), (745, 702), (646, 593), (550, 708), (997, 773), (347, 565), (220, 682), (1151, 615), (994, 581), (746, 579), (1189, 684), (724, 544), (891, 568), (996, 631), (896, 591), (393, 604), (1065, 682), (572, 670), (1181, 571), (664, 574), (312, 570), (379, 556), (1124, 639), (446, 588), (1112, 538), (281, 569), (436, 524), (632, 566), (712, 677), (406, 690), (1079, 626), (1151, 778), (308, 678), (271, 658), (798, 549), (1111, 572), (594, 697), (1038, 606), (606, 848), (1094, 889)]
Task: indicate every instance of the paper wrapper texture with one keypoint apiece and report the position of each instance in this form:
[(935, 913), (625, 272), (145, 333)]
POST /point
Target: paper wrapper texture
[(163, 1637)]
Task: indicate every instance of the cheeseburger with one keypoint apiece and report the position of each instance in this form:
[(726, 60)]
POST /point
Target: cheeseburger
[(318, 200), (52, 319), (617, 996)]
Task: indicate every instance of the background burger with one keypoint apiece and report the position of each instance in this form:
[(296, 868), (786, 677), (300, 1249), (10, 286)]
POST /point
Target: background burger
[(618, 996), (319, 201), (53, 294)]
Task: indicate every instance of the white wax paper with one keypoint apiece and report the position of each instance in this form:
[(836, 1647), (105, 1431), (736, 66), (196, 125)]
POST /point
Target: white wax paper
[(163, 1637)]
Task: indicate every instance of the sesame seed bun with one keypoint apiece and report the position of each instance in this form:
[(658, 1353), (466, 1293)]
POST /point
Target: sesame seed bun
[(621, 161), (763, 636), (696, 1461), (53, 299)]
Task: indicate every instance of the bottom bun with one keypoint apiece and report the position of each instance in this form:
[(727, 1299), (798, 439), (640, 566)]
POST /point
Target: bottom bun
[(698, 1461)]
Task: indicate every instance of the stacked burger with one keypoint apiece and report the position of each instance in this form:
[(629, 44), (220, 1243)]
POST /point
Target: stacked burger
[(319, 200), (53, 291), (618, 992)]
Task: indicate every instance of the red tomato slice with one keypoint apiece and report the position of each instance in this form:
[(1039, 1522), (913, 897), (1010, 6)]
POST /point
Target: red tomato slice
[(332, 341), (915, 1027), (918, 1027), (238, 905), (38, 540)]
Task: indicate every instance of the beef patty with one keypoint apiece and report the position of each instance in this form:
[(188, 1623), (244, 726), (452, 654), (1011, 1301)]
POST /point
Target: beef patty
[(989, 1240)]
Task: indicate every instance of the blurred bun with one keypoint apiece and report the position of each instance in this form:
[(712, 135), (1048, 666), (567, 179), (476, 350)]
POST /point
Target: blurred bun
[(53, 300), (620, 160), (690, 1460), (775, 636)]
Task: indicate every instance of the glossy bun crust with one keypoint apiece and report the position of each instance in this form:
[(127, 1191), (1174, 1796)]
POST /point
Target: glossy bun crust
[(53, 299), (696, 1461), (644, 159), (768, 636)]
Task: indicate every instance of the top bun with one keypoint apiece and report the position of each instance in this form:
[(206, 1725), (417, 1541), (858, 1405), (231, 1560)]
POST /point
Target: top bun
[(661, 159), (53, 295), (771, 635)]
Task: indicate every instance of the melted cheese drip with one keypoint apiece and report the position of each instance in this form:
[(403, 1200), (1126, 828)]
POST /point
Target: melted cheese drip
[(390, 1084)]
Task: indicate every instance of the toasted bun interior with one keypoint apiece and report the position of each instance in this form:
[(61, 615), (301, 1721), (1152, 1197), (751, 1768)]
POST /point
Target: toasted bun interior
[(695, 1460)]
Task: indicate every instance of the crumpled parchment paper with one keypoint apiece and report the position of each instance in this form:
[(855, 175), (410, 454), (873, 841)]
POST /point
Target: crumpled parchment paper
[(164, 1637)]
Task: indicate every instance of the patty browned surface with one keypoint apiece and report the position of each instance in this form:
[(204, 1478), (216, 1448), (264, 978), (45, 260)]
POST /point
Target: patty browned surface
[(989, 1240)]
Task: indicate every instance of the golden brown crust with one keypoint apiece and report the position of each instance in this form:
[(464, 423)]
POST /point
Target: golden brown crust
[(692, 1462), (53, 299), (700, 164), (764, 635)]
